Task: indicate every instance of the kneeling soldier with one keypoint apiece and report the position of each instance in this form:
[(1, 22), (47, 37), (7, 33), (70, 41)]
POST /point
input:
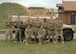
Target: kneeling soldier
[(29, 34), (41, 33)]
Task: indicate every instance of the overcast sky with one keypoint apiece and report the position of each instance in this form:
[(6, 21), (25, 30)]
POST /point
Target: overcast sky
[(36, 3)]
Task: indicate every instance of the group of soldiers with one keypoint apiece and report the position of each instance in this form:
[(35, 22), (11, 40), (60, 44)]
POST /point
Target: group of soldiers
[(35, 30)]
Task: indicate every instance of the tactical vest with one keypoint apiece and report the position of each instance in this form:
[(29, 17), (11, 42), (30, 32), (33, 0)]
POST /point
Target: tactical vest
[(9, 23), (51, 25), (29, 32), (37, 24)]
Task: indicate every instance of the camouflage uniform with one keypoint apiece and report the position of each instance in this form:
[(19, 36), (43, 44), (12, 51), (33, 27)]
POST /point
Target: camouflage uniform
[(18, 23), (45, 25), (34, 38), (9, 30), (59, 29), (41, 33), (29, 34), (37, 24), (28, 22), (51, 30)]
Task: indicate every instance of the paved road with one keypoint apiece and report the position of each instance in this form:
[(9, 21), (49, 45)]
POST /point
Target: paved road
[(2, 36)]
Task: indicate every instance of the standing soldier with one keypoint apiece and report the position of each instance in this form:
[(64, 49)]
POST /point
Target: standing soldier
[(18, 23), (41, 33), (45, 24), (59, 29), (51, 30), (29, 34), (28, 22), (9, 25), (37, 23)]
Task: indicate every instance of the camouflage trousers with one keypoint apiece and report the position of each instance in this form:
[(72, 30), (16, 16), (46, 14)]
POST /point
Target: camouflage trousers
[(51, 33), (41, 38), (9, 32), (28, 38), (18, 34), (36, 34), (59, 33), (36, 31)]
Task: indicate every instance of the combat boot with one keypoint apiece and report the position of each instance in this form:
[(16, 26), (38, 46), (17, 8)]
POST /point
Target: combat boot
[(40, 43), (62, 42), (26, 43)]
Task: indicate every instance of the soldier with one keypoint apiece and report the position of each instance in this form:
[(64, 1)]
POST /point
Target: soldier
[(34, 38), (29, 34), (9, 26), (37, 24), (45, 24), (28, 22), (41, 33), (59, 29), (51, 30), (18, 23)]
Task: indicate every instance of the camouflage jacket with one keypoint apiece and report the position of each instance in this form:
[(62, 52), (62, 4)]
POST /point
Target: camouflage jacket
[(28, 23), (28, 32), (37, 24), (58, 24), (45, 24), (9, 23), (41, 31), (18, 23), (51, 25)]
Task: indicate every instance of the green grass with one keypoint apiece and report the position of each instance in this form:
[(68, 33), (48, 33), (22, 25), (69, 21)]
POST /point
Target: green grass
[(2, 32), (11, 48)]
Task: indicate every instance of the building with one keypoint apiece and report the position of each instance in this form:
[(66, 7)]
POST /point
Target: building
[(67, 12), (36, 11), (51, 12), (41, 11)]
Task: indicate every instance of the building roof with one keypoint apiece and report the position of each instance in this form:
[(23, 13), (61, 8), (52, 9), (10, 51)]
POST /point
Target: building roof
[(59, 5), (37, 7), (68, 5)]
